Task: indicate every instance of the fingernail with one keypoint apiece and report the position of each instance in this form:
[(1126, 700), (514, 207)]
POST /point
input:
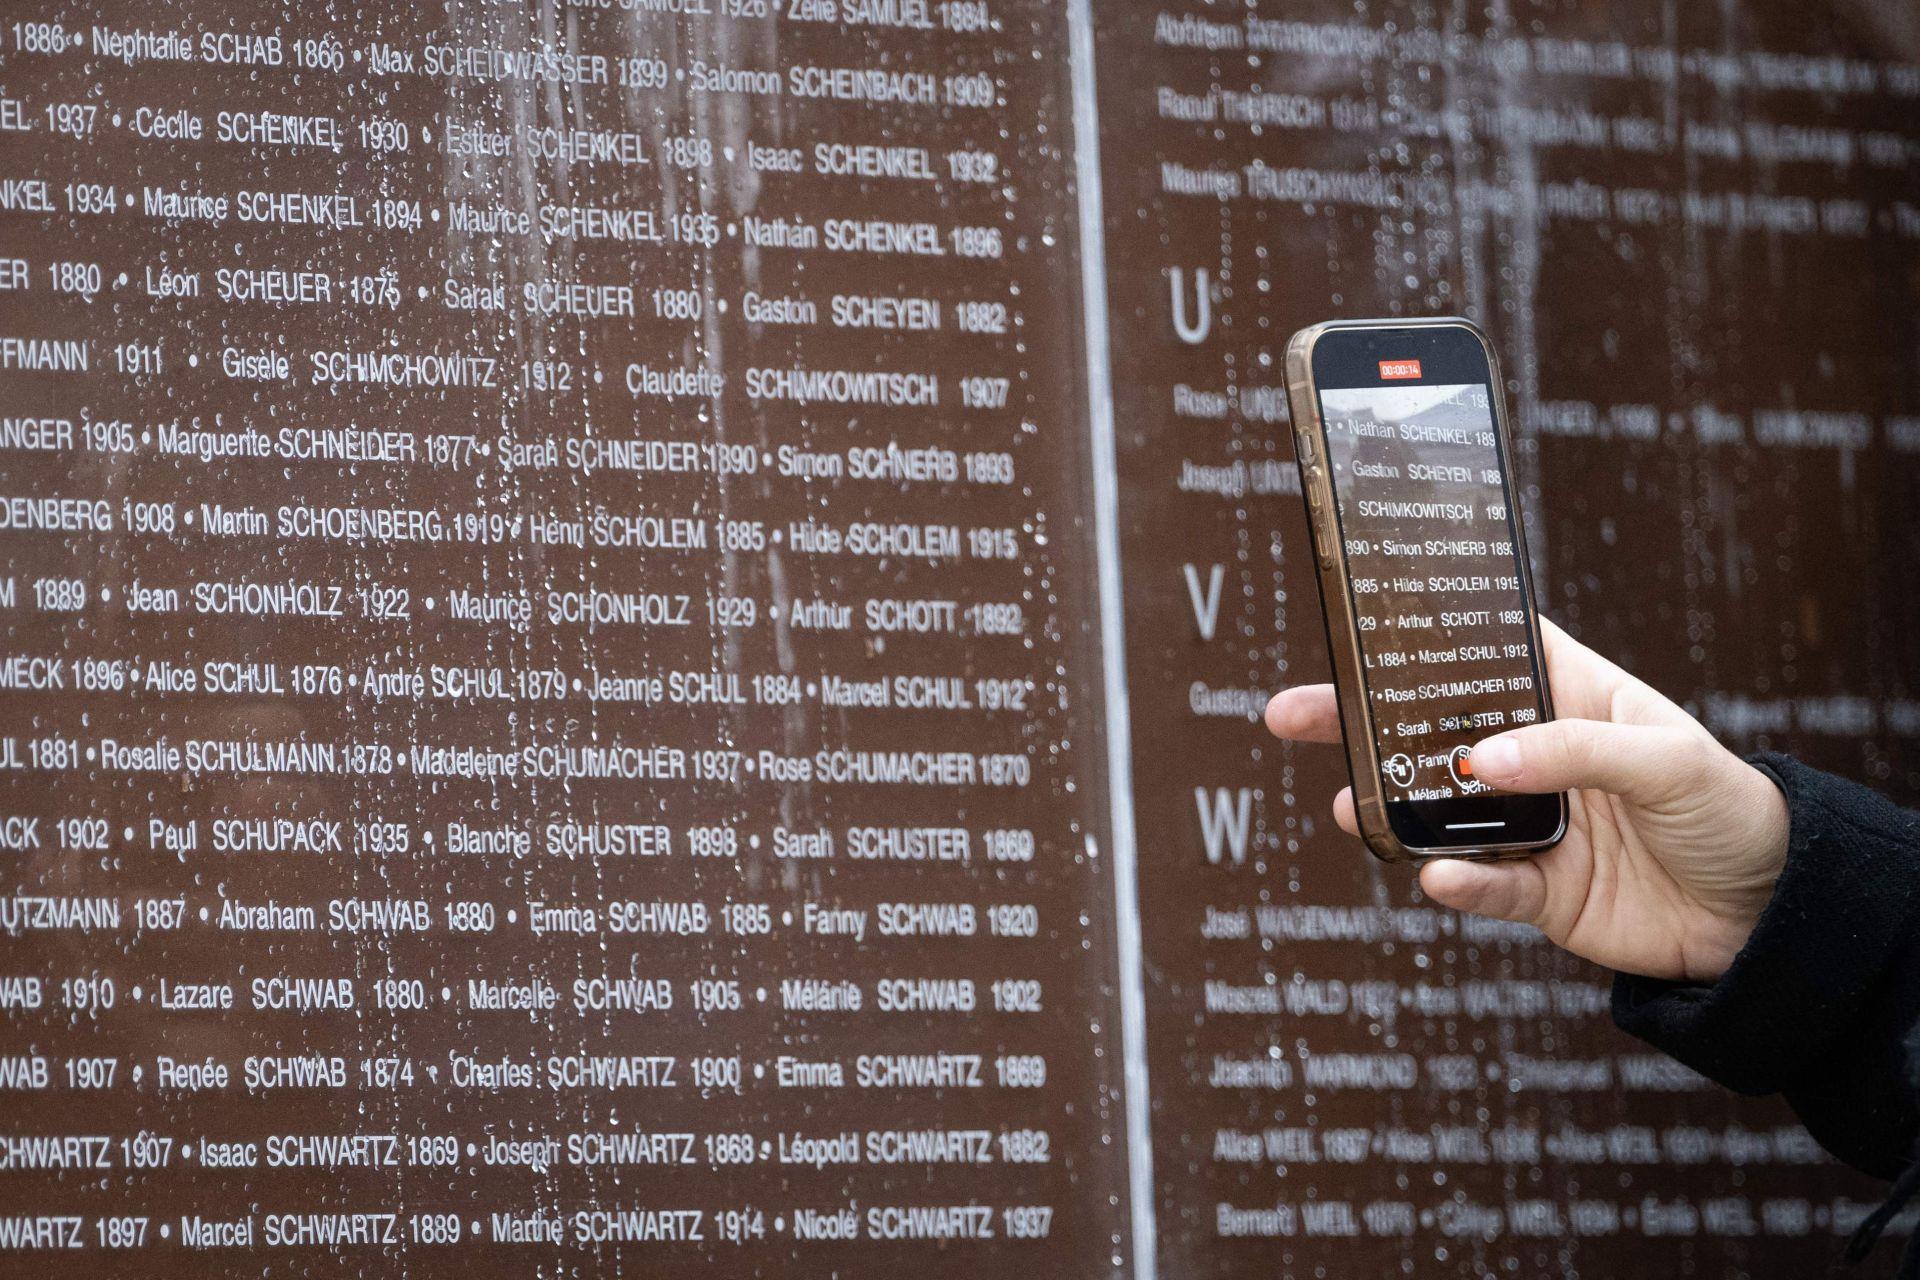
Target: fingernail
[(1497, 760)]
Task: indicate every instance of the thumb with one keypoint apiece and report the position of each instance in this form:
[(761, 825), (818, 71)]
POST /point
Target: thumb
[(1642, 763), (1514, 890)]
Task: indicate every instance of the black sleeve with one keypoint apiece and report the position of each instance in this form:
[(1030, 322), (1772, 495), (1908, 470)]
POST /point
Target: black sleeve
[(1820, 1003)]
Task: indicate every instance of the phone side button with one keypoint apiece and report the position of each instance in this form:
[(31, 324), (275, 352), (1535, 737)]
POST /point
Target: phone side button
[(1314, 504)]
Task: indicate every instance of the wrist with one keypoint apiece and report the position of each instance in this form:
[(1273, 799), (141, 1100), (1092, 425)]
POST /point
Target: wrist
[(1757, 854), (1772, 831)]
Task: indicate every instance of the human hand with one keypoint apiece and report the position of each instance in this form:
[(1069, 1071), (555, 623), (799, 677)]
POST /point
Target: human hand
[(1673, 843)]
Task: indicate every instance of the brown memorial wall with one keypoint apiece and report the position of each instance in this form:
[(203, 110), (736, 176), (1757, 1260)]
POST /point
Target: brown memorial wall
[(1692, 233), (557, 531), (633, 628)]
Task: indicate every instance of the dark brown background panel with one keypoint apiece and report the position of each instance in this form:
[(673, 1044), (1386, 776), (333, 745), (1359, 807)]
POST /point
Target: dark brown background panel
[(1691, 233), (755, 546)]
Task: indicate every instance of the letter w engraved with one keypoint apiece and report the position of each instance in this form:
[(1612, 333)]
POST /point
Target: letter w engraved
[(1226, 819)]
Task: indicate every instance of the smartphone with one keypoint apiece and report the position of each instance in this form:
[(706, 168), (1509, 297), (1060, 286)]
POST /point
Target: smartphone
[(1405, 463)]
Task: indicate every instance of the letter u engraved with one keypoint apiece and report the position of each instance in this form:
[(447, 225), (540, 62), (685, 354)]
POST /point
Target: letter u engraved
[(1194, 331)]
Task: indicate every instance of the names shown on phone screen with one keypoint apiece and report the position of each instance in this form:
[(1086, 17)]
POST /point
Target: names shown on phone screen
[(1435, 578)]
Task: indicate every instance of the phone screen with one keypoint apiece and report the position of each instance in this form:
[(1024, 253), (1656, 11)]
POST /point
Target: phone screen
[(1437, 582)]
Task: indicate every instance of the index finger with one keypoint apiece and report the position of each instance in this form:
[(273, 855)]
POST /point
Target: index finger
[(1309, 713)]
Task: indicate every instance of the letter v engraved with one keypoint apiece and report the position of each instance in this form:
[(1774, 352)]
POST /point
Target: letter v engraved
[(1206, 604)]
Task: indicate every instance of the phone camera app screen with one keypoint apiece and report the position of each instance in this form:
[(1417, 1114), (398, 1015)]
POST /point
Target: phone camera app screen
[(1435, 577)]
